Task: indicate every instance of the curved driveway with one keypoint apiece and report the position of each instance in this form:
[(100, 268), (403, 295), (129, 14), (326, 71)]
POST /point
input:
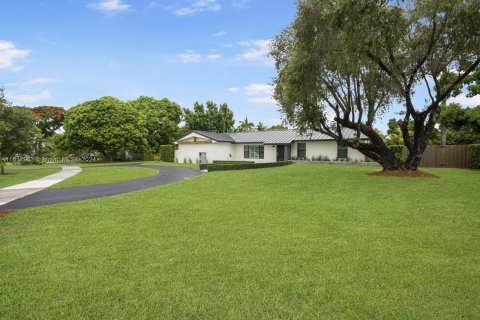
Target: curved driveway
[(166, 175)]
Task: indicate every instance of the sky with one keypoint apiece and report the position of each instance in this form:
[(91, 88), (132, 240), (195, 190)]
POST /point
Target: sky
[(65, 52)]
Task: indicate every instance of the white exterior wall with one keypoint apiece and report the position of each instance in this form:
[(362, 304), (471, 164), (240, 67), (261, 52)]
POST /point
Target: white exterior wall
[(215, 151), (269, 153), (326, 148)]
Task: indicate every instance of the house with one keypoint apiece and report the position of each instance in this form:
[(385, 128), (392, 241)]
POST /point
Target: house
[(262, 146)]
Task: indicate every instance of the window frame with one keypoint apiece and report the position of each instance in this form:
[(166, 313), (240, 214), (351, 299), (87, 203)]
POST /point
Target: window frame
[(254, 152), (304, 150)]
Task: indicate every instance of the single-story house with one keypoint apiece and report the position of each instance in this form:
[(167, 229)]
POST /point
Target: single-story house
[(262, 146)]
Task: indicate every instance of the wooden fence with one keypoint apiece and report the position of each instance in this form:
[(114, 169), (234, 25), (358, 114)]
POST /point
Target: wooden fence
[(450, 156)]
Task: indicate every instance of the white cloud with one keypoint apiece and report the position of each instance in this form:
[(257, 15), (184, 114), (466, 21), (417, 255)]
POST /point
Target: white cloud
[(260, 93), (465, 101), (8, 53), (197, 6), (262, 100), (189, 56), (233, 89), (214, 56), (35, 81), (220, 34), (258, 88), (241, 3), (110, 6), (256, 50), (25, 99)]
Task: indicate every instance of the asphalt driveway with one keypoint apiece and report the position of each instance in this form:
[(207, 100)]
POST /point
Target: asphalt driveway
[(166, 175)]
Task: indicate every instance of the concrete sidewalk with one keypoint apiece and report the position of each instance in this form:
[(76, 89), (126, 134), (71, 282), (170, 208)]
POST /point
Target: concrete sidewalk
[(21, 190)]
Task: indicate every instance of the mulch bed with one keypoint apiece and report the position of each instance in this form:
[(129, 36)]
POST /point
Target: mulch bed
[(5, 212), (408, 174)]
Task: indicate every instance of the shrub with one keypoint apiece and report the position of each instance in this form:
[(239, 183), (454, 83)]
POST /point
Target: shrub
[(231, 162), (397, 150), (241, 166), (167, 153), (473, 156)]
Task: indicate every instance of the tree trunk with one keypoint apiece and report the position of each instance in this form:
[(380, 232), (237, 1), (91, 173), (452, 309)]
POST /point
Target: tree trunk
[(443, 135), (2, 168)]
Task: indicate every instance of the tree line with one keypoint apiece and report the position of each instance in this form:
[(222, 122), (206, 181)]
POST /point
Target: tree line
[(109, 126)]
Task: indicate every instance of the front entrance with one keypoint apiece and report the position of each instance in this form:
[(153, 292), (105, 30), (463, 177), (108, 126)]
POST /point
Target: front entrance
[(280, 153)]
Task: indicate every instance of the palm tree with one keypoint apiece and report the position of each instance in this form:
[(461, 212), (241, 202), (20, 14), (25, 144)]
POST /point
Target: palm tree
[(245, 125), (261, 127)]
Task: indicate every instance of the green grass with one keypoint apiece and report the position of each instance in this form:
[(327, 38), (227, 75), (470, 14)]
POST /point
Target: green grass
[(32, 166), (15, 176), (294, 242), (102, 175)]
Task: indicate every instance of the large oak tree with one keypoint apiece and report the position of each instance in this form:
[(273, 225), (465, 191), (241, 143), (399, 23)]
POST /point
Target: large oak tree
[(344, 63), (106, 125)]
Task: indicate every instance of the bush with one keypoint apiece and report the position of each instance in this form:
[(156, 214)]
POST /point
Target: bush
[(167, 153), (397, 150), (241, 166), (473, 156), (231, 162)]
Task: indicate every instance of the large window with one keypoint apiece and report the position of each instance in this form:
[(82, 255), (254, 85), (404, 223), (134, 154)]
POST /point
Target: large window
[(253, 152), (342, 152), (301, 150)]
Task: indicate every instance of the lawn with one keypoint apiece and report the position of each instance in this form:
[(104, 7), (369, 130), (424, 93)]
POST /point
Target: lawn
[(19, 175), (294, 242), (104, 174)]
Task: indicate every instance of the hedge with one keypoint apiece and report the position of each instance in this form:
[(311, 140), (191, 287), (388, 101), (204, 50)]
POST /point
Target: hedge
[(473, 156), (241, 166), (397, 150), (231, 162), (167, 153)]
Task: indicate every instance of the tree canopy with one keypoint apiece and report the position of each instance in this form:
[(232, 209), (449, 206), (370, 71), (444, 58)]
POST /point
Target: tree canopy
[(213, 118), (462, 124), (342, 64), (17, 130), (162, 120), (106, 125)]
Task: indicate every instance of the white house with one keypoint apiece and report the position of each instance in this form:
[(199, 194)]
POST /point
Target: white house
[(262, 146)]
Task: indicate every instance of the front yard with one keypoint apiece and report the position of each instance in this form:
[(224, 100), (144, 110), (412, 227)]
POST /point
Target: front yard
[(300, 242)]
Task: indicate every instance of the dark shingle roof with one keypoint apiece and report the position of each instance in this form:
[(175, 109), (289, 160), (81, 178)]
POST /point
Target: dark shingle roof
[(220, 137), (273, 137)]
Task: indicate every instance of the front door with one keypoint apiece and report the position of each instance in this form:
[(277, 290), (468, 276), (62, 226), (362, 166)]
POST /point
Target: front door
[(280, 153), (202, 157)]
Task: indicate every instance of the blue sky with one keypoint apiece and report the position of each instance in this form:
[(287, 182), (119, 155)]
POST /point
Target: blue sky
[(65, 52)]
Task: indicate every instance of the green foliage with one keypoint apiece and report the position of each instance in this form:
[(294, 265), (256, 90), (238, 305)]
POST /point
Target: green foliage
[(106, 125), (241, 166), (357, 59), (167, 153), (394, 133), (48, 119), (162, 120), (473, 156), (245, 126), (463, 124), (397, 151), (17, 130), (213, 118), (277, 127), (261, 127), (231, 162)]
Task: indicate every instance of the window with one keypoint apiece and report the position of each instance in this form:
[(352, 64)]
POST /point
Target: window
[(253, 152), (342, 152), (301, 150)]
